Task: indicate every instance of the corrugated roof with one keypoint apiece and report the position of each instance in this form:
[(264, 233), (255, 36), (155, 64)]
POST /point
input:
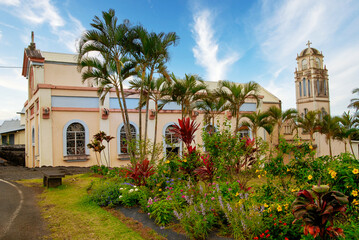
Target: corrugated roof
[(11, 126)]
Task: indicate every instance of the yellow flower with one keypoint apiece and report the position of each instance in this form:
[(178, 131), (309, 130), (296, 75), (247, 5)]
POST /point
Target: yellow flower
[(310, 177), (288, 170), (158, 184), (184, 160), (259, 176), (286, 206), (355, 193), (355, 171), (333, 174), (310, 147), (265, 172), (279, 208), (237, 194), (266, 205), (269, 209), (355, 202), (257, 171), (168, 161), (160, 189)]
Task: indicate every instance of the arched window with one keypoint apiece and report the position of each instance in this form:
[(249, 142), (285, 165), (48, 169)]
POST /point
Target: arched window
[(123, 140), (304, 64), (305, 111), (317, 61), (75, 139), (300, 88), (308, 88), (244, 131), (304, 87), (210, 129), (325, 87), (33, 136), (171, 142)]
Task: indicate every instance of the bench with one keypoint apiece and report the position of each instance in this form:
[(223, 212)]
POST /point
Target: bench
[(52, 179)]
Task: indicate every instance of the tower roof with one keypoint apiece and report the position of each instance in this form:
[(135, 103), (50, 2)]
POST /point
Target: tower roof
[(309, 51)]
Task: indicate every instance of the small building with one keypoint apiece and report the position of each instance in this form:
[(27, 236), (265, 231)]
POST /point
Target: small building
[(12, 132)]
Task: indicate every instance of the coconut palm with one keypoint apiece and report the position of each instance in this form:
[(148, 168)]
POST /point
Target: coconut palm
[(236, 95), (329, 127), (151, 53), (354, 101), (185, 92), (212, 105), (279, 117), (256, 120), (309, 123), (348, 123), (108, 41)]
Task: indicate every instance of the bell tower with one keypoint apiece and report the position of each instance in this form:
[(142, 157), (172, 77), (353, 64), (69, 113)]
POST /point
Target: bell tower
[(311, 82)]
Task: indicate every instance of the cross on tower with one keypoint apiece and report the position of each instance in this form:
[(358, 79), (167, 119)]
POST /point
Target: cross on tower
[(308, 44)]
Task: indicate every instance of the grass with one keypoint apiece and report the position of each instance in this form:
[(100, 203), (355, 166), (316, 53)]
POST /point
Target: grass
[(70, 215)]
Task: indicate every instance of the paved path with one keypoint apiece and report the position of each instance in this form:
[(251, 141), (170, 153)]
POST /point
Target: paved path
[(20, 216)]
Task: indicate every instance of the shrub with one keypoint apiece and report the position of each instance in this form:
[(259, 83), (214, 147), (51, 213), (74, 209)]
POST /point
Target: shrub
[(105, 193)]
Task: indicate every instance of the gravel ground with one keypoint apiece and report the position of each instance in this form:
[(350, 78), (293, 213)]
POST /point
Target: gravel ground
[(14, 173)]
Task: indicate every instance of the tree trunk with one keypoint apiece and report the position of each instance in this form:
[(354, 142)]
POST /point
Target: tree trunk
[(155, 137), (147, 110), (351, 146), (330, 147), (140, 108)]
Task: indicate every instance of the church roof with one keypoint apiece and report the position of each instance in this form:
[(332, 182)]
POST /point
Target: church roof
[(11, 126), (309, 51)]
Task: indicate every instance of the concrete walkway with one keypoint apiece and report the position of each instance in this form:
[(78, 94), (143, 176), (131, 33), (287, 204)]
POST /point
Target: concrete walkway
[(20, 216)]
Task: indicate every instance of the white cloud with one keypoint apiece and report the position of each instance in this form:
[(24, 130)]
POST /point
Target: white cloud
[(13, 80), (39, 12), (10, 2), (206, 49), (68, 29), (286, 26)]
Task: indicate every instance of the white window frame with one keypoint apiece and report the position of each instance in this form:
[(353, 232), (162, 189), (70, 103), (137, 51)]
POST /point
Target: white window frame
[(119, 136)]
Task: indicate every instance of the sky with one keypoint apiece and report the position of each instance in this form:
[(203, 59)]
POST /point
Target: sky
[(235, 40)]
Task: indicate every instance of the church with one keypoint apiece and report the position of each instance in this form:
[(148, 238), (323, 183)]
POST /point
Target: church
[(62, 114)]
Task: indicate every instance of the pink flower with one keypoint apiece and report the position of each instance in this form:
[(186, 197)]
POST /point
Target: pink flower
[(212, 198), (229, 189), (183, 196)]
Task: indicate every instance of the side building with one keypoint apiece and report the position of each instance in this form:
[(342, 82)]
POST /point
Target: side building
[(62, 114)]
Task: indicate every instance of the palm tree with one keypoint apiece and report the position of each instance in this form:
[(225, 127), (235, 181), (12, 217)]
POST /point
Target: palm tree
[(256, 121), (279, 117), (155, 90), (186, 91), (236, 95), (212, 105), (329, 127), (151, 53), (109, 42), (309, 123), (348, 123), (354, 101)]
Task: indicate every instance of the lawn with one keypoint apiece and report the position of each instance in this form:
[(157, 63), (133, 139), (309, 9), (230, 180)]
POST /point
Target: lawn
[(70, 215)]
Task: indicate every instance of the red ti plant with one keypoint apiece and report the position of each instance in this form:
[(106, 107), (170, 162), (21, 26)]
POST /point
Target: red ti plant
[(207, 171), (140, 172), (185, 131), (317, 207)]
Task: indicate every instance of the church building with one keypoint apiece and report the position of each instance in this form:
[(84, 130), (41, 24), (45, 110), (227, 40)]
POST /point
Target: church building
[(62, 114)]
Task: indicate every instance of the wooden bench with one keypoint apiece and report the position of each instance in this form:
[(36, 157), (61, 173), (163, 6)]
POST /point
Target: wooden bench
[(52, 178)]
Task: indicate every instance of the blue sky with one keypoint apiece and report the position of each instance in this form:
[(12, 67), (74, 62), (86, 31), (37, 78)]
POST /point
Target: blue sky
[(236, 40)]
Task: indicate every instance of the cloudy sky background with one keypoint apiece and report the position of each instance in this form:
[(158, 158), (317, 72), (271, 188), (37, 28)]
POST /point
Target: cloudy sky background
[(234, 40)]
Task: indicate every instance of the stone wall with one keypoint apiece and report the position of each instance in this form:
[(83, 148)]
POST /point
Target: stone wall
[(14, 154)]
